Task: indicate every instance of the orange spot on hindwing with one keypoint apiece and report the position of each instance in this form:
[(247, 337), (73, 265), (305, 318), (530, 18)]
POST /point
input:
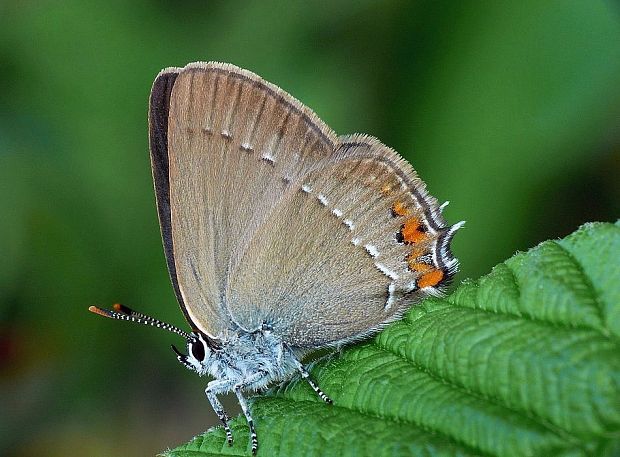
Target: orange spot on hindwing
[(399, 209), (421, 267), (430, 279), (416, 252), (412, 231)]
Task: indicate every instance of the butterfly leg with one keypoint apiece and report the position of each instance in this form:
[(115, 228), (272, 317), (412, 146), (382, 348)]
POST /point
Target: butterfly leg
[(248, 416), (245, 408), (213, 388), (305, 375)]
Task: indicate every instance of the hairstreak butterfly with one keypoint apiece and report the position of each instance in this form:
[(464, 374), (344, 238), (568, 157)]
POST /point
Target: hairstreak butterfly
[(280, 236)]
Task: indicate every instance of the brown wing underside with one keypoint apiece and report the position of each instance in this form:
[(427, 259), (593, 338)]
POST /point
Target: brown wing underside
[(270, 218)]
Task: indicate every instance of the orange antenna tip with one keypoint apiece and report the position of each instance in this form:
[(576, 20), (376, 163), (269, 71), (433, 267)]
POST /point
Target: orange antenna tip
[(97, 310)]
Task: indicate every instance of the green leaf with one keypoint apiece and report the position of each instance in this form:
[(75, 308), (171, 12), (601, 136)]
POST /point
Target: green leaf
[(523, 361)]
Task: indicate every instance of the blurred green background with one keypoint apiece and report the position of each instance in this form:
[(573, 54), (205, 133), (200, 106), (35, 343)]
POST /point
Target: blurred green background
[(511, 111)]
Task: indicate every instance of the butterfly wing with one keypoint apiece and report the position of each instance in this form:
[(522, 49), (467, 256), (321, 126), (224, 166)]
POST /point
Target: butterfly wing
[(234, 146), (269, 218), (346, 250)]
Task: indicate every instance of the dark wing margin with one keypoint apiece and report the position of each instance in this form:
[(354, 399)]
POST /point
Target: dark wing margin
[(159, 106)]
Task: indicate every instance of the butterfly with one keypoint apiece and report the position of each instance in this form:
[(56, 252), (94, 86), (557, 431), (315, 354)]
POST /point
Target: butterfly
[(280, 236)]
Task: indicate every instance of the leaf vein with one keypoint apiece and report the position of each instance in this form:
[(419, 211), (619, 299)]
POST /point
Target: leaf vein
[(493, 401), (392, 419)]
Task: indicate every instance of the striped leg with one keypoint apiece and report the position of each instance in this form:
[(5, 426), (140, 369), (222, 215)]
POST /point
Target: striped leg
[(213, 388), (244, 406), (248, 416), (305, 375)]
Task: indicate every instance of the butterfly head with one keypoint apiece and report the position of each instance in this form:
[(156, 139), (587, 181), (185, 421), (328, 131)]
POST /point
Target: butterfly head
[(199, 350), (199, 346)]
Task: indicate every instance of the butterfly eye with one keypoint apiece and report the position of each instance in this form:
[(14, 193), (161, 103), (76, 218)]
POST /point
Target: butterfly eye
[(197, 350)]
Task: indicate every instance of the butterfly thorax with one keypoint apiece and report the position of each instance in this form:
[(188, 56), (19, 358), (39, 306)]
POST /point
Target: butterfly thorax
[(251, 359)]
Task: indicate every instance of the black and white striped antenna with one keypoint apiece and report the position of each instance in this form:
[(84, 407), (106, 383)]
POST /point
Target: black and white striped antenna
[(123, 313)]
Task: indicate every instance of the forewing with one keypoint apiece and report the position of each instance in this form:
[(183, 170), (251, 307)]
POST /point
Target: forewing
[(235, 146), (348, 249)]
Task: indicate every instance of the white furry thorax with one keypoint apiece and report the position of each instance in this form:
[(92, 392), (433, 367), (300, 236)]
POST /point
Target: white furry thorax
[(259, 355)]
